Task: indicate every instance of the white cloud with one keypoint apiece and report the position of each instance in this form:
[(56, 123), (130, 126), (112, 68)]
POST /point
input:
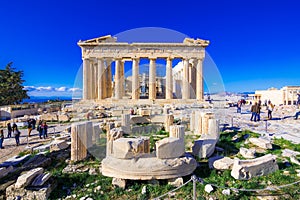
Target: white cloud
[(61, 89), (52, 91)]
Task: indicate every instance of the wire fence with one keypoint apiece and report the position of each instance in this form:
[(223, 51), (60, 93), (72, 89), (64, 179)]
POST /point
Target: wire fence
[(198, 180)]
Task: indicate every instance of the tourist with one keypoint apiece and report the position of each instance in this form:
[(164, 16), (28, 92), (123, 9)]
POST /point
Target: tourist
[(258, 108), (270, 109), (44, 128), (16, 133), (298, 99), (29, 126), (253, 111), (1, 139), (239, 107), (9, 130), (39, 128)]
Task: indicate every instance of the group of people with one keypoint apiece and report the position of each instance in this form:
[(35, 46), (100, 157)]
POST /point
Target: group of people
[(12, 130), (256, 108)]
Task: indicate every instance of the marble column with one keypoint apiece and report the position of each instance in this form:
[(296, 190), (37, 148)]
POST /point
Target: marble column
[(287, 97), (152, 79), (122, 79), (104, 82), (185, 80), (92, 80), (199, 81), (96, 78), (169, 81), (135, 79), (101, 86), (86, 64), (109, 79), (292, 97), (118, 79)]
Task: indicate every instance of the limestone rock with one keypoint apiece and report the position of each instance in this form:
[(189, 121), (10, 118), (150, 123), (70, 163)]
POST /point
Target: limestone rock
[(176, 182), (247, 153), (261, 142), (208, 188), (119, 182), (170, 148), (223, 163), (57, 145), (294, 160), (5, 170), (226, 191), (246, 169), (289, 153), (63, 118), (39, 193), (41, 179), (26, 178), (204, 148), (49, 117)]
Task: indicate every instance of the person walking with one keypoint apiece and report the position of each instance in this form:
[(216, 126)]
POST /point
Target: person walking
[(44, 128), (270, 109), (1, 139), (253, 111), (9, 130), (29, 126), (239, 107), (16, 133), (39, 128), (258, 108)]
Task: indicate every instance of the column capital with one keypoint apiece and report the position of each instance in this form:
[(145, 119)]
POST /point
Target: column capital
[(152, 58)]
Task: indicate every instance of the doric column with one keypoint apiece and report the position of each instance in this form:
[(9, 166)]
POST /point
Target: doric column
[(287, 96), (185, 80), (96, 78), (109, 79), (104, 82), (135, 79), (152, 79), (118, 79), (292, 98), (86, 65), (122, 79), (199, 81), (169, 80), (101, 86), (91, 80)]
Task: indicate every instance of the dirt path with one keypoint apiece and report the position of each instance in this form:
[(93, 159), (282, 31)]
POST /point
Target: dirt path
[(11, 149)]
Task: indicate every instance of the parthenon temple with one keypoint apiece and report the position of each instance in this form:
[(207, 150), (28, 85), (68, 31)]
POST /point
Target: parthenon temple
[(99, 83)]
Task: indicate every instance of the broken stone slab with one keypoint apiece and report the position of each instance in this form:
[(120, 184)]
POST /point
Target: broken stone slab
[(247, 153), (41, 179), (176, 182), (39, 160), (15, 160), (246, 169), (204, 148), (119, 182), (26, 178), (289, 153), (126, 148), (294, 160), (211, 161), (261, 142), (223, 163), (5, 170), (170, 148), (58, 145), (43, 192)]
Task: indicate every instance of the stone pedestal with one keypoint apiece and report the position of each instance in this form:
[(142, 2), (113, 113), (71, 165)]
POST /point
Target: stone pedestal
[(81, 140), (169, 120), (177, 131)]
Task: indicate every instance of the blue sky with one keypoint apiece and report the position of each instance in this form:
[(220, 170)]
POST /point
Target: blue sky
[(254, 44)]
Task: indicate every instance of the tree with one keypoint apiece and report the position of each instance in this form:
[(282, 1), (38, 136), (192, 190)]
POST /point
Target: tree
[(11, 88)]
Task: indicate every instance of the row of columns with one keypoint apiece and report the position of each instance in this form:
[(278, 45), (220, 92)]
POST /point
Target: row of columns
[(97, 72), (289, 94)]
